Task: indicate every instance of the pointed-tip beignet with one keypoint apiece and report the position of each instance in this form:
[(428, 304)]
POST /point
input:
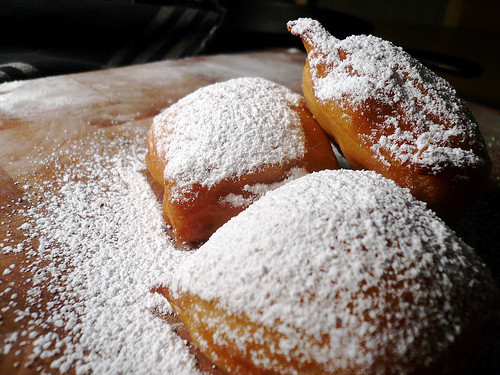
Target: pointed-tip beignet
[(222, 146), (337, 272), (389, 113)]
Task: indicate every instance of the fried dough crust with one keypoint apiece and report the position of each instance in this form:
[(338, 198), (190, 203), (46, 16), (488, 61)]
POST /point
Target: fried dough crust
[(357, 125), (195, 213)]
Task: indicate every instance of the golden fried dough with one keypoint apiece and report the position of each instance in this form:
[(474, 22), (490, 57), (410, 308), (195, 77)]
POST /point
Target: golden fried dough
[(337, 272), (223, 146), (390, 114)]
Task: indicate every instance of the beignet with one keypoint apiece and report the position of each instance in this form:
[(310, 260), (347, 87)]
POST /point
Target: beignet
[(224, 145), (390, 114), (337, 272)]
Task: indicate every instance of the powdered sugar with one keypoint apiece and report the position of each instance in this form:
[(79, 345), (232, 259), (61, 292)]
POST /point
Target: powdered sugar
[(346, 254), (101, 247), (420, 114), (227, 129), (28, 98)]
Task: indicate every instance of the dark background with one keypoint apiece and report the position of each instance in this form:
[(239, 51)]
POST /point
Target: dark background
[(459, 39)]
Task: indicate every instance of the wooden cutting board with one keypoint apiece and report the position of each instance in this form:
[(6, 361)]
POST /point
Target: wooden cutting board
[(43, 115)]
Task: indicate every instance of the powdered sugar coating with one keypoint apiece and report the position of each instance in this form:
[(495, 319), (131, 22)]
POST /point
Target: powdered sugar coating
[(350, 255), (425, 118), (228, 129)]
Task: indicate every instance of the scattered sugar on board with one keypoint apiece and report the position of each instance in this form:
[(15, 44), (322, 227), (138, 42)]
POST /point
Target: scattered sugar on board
[(228, 128), (373, 69), (101, 247), (22, 98), (338, 253)]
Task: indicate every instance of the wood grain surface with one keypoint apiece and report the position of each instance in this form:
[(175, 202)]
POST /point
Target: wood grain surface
[(43, 115)]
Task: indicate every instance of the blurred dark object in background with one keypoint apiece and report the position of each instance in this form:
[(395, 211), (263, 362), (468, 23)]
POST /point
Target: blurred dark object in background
[(257, 24), (458, 39), (48, 37)]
